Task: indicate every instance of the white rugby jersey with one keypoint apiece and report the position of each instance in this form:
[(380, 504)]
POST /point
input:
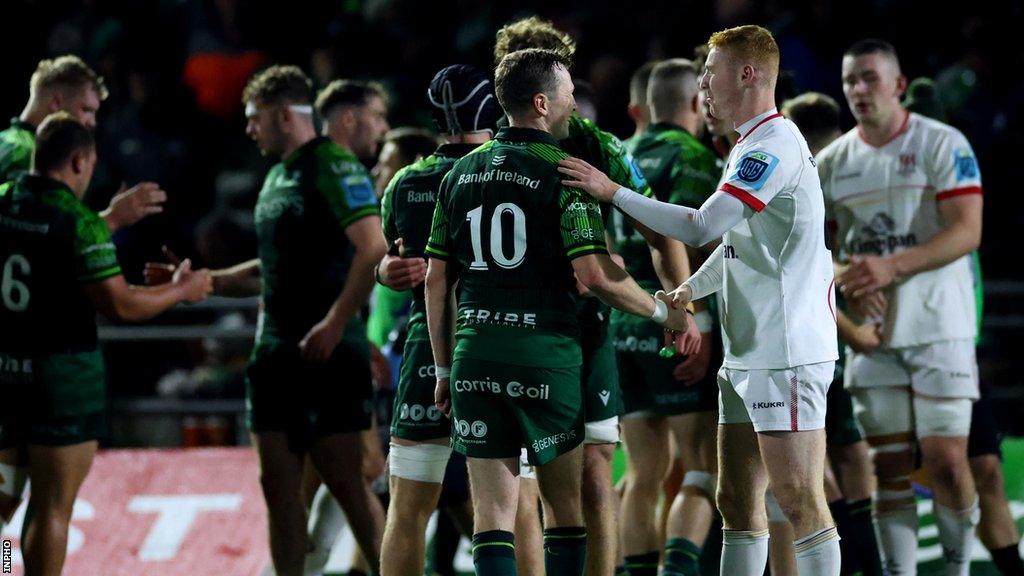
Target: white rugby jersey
[(885, 200), (778, 305)]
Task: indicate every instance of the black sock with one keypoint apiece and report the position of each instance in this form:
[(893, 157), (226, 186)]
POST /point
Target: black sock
[(860, 531), (1007, 559), (645, 564), (847, 546), (494, 553), (682, 558), (565, 550), (446, 544)]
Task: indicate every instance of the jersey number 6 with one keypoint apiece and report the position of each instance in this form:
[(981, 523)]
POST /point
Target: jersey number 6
[(475, 216), (15, 294)]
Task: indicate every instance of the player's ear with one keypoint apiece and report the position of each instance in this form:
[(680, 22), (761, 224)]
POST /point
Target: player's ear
[(634, 112), (748, 73), (695, 103), (540, 104), (901, 85), (78, 161)]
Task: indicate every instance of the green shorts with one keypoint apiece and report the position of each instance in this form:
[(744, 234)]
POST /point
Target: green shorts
[(841, 427), (600, 374), (53, 431), (415, 417), (648, 386), (308, 401), (497, 409)]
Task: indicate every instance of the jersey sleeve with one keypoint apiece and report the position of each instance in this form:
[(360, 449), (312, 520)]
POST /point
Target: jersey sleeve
[(95, 253), (954, 168), (622, 167), (349, 193), (388, 221), (15, 155), (582, 224), (439, 245), (755, 178)]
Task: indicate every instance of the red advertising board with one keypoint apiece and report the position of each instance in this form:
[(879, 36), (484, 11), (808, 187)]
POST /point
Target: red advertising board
[(165, 512)]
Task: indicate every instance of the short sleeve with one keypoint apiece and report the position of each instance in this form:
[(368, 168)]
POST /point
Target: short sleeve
[(693, 181), (440, 244), (622, 167), (349, 193), (15, 155), (582, 224), (954, 169), (755, 178), (95, 253)]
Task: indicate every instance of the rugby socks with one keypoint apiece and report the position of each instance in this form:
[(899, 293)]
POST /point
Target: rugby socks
[(682, 558), (326, 521), (565, 550), (494, 553), (1007, 560), (897, 539), (645, 564), (621, 570), (818, 554), (858, 532), (956, 532), (744, 552)]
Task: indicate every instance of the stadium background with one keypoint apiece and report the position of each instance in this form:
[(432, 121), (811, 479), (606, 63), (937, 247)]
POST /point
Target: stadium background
[(175, 69)]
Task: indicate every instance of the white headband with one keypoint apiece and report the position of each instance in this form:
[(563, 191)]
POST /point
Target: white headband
[(250, 109)]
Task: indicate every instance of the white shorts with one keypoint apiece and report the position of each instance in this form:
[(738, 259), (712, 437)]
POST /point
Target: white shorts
[(891, 410), (946, 369), (602, 431), (790, 399)]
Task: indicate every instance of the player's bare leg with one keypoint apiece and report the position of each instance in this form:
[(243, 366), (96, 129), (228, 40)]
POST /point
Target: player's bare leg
[(281, 482), (647, 453), (693, 509), (565, 538), (600, 504), (996, 530), (742, 481), (412, 502), (494, 489), (57, 474), (334, 457), (529, 529)]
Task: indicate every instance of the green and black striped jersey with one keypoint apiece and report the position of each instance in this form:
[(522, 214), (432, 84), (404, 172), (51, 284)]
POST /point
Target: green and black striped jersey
[(16, 145)]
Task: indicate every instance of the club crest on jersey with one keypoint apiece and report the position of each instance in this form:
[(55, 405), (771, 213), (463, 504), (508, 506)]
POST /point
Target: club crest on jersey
[(754, 168), (966, 164)]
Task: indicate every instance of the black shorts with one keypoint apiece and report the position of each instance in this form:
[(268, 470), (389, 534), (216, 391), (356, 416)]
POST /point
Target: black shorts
[(306, 400), (52, 431)]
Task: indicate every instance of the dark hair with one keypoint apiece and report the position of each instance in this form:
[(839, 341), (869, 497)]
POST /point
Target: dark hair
[(815, 114), (532, 32), (638, 83), (347, 93), (522, 74), (667, 91), (872, 46), (57, 139), (66, 72), (412, 142), (279, 85)]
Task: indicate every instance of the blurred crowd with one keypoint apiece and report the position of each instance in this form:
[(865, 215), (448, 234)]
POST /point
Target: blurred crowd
[(176, 70)]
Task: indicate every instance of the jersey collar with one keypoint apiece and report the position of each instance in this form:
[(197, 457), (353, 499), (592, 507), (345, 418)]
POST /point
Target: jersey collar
[(19, 123), (455, 150), (512, 134), (316, 141), (658, 127), (40, 183), (754, 123)]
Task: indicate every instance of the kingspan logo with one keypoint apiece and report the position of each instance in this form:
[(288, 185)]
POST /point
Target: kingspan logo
[(880, 237)]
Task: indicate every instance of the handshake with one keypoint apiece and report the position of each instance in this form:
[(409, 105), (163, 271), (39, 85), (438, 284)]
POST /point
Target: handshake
[(681, 335)]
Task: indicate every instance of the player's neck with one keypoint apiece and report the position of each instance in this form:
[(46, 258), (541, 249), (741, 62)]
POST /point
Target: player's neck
[(469, 138), (685, 120), (33, 114), (885, 129), (536, 123), (749, 109), (298, 138)]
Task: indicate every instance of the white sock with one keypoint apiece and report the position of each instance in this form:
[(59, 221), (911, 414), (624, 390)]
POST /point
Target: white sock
[(744, 552), (326, 521), (13, 480), (897, 539), (818, 554), (956, 532)]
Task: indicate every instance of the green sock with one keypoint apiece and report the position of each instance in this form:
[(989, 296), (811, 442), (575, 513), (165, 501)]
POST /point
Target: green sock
[(645, 564), (494, 553), (621, 570), (859, 529), (682, 558), (565, 551)]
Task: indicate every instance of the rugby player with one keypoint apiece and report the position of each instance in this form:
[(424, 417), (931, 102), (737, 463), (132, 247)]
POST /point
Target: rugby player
[(59, 267), (776, 279), (639, 109), (599, 372), (516, 376), (904, 193)]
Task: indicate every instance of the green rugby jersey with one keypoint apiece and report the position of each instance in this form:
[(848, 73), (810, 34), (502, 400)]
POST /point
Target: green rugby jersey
[(50, 245), (680, 170), (16, 145), (407, 209), (506, 222), (607, 153), (306, 203), (630, 143)]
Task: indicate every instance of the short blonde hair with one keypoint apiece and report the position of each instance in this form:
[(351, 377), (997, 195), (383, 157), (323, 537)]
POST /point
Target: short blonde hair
[(752, 44), (64, 73), (532, 32)]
